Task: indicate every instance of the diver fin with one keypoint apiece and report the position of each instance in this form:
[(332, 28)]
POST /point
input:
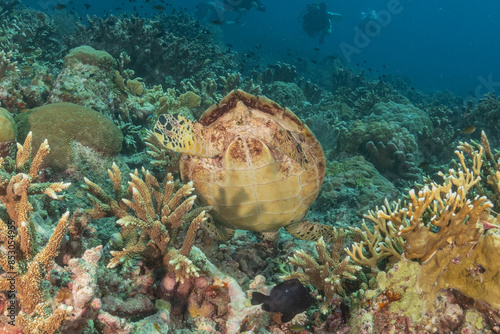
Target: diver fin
[(258, 298), (285, 142), (336, 17), (286, 317), (180, 134)]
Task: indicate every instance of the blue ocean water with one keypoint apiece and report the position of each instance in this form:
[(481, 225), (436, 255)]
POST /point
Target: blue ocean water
[(437, 44)]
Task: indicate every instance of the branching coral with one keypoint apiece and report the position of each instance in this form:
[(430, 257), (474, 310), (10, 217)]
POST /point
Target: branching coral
[(327, 272), (166, 50), (436, 216), (383, 242), (24, 264), (151, 217)]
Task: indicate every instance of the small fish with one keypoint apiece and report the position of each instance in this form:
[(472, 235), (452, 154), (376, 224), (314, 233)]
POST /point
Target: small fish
[(316, 49), (159, 7), (41, 16), (87, 6), (423, 165), (296, 327), (59, 6), (157, 327), (217, 22), (289, 298), (468, 129)]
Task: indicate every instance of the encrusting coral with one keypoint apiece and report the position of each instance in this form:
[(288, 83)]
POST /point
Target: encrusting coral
[(151, 217), (24, 264)]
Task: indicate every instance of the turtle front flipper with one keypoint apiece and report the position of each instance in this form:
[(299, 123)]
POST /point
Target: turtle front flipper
[(182, 135), (307, 230)]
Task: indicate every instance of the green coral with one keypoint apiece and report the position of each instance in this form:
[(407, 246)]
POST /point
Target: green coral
[(63, 123), (88, 55), (7, 126), (406, 115)]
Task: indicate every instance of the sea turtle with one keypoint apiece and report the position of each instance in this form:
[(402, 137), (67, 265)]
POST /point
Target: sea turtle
[(255, 163)]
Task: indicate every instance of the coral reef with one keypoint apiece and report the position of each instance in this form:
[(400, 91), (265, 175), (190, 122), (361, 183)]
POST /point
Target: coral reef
[(63, 123), (389, 146), (165, 51), (150, 220), (287, 94), (24, 264), (450, 229), (279, 72), (6, 64), (355, 186), (328, 272), (86, 79)]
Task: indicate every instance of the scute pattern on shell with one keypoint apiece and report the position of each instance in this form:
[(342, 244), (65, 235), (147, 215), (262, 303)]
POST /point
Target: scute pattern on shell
[(256, 183)]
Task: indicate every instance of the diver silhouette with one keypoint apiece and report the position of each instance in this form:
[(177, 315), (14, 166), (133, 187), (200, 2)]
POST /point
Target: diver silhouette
[(215, 11), (317, 21)]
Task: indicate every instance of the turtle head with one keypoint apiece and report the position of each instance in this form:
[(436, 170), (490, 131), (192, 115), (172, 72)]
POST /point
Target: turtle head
[(179, 134)]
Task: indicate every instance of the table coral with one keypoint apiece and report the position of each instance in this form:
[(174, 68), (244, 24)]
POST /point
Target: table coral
[(63, 123)]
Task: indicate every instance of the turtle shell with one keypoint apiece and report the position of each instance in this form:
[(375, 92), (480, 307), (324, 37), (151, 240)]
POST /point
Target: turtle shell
[(270, 168)]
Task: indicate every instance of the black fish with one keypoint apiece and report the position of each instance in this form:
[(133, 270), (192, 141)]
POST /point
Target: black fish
[(289, 298)]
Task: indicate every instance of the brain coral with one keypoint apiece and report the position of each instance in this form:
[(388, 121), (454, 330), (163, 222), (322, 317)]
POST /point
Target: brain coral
[(63, 123)]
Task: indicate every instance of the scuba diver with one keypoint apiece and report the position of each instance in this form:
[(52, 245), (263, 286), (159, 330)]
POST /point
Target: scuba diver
[(215, 11), (367, 17), (317, 21)]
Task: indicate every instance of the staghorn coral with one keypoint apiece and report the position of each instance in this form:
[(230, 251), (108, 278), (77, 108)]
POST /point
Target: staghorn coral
[(436, 216), (327, 272), (151, 218), (380, 243), (24, 263), (489, 171), (443, 226), (449, 229)]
